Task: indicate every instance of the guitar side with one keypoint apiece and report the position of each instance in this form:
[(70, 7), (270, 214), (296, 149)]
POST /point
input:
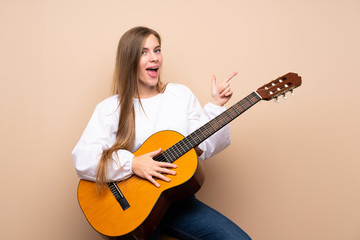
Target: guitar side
[(147, 203)]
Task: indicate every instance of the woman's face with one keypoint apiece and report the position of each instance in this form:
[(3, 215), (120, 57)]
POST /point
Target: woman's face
[(149, 67)]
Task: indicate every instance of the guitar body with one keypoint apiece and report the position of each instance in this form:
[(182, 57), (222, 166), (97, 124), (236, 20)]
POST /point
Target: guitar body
[(148, 204)]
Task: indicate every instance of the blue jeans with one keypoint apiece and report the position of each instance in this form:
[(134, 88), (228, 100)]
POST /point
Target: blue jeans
[(191, 219)]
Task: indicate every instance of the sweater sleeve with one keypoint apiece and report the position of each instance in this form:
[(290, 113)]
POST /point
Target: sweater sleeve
[(198, 117), (100, 134)]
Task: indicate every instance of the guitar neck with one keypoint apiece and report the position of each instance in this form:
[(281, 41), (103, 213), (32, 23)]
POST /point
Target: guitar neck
[(204, 132)]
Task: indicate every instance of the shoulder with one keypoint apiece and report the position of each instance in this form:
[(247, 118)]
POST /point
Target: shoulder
[(108, 105), (178, 90)]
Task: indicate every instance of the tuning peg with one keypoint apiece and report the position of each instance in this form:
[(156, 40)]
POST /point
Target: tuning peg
[(277, 100), (292, 92), (284, 96)]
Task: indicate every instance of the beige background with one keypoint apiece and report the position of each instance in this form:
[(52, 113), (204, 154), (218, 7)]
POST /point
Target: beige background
[(292, 171)]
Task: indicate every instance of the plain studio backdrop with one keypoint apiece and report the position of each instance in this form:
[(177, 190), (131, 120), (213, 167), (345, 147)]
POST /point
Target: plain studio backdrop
[(292, 170)]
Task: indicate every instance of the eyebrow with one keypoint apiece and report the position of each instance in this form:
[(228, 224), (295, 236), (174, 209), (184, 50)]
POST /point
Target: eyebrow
[(158, 46)]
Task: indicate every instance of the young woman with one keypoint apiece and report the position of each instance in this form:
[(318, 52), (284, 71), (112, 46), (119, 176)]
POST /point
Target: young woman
[(141, 106)]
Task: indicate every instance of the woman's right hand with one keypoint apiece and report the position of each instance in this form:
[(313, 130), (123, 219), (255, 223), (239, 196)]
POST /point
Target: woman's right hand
[(144, 166)]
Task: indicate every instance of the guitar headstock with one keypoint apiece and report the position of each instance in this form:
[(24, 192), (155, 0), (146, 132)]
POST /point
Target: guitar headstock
[(279, 86)]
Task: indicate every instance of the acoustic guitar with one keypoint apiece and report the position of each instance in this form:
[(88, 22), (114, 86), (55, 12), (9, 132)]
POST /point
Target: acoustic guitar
[(132, 209)]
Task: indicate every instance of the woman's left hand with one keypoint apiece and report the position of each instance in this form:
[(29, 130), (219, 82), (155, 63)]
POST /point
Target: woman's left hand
[(221, 91)]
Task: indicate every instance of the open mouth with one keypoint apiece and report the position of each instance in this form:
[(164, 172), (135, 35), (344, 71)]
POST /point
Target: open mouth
[(155, 69), (152, 71)]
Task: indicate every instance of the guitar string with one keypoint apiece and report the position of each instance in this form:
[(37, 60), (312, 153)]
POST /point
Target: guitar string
[(233, 109), (182, 149), (244, 105), (172, 153), (162, 157)]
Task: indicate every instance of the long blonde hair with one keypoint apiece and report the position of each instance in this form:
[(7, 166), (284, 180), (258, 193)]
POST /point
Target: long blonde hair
[(125, 85)]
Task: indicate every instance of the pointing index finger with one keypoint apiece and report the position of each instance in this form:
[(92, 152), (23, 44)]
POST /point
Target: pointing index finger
[(231, 76)]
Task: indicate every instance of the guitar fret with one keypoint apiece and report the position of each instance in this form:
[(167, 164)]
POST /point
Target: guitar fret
[(232, 113), (235, 109), (207, 129), (197, 134), (183, 146), (256, 96), (223, 118), (212, 126), (228, 113), (242, 105), (166, 155), (193, 141), (217, 123), (172, 153), (202, 133), (179, 146), (249, 100), (164, 159), (176, 149), (159, 158), (188, 145), (177, 153)]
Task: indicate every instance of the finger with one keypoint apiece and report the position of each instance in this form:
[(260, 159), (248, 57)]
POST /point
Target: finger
[(162, 177), (213, 81), (225, 91), (167, 165), (150, 179), (167, 171), (225, 87), (154, 153), (231, 76), (165, 168), (228, 94), (213, 77)]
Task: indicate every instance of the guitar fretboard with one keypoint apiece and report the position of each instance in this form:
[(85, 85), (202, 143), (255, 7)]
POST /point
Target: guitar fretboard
[(204, 132)]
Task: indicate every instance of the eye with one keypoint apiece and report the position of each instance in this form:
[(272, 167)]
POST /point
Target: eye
[(158, 50), (143, 52)]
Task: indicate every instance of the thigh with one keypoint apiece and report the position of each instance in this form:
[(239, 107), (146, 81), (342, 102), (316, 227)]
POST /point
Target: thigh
[(191, 219)]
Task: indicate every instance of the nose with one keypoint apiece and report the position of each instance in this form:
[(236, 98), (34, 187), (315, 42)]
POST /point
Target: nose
[(153, 57)]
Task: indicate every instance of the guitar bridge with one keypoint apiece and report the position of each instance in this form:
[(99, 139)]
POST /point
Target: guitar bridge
[(119, 196)]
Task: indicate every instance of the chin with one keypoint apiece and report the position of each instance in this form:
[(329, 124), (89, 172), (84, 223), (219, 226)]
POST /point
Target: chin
[(150, 84), (153, 82)]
